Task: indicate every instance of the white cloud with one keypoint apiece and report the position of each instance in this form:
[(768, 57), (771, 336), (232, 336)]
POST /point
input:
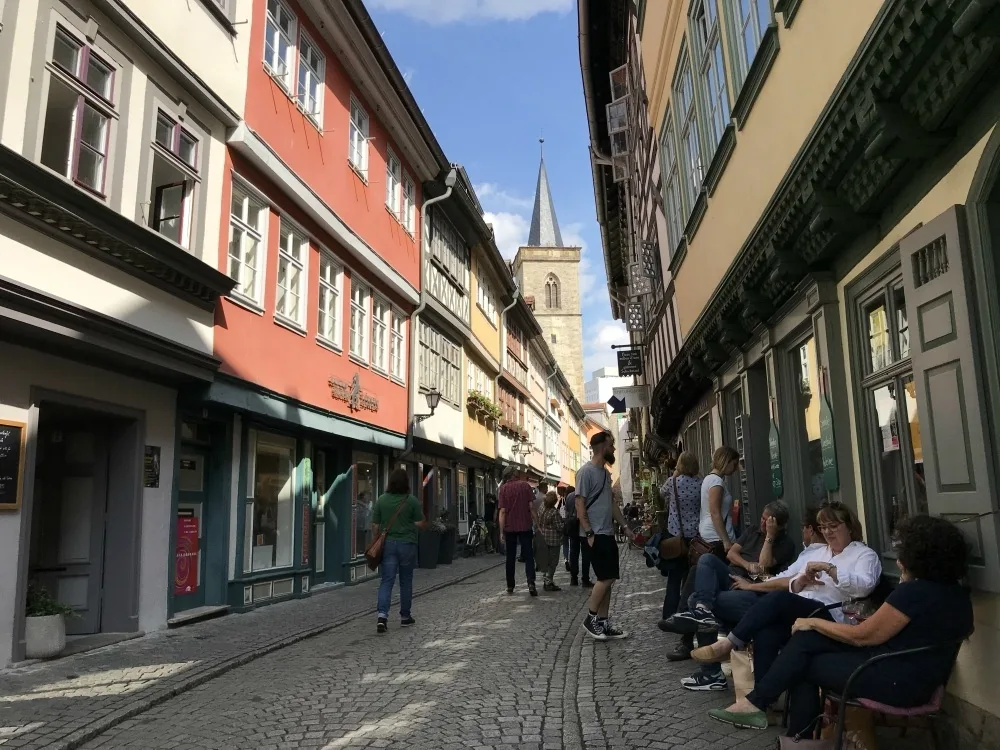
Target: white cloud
[(451, 11), (489, 193), (598, 338), (572, 235), (408, 75), (510, 230)]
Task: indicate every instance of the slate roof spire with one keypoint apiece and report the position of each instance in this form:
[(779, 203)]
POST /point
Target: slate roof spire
[(544, 230)]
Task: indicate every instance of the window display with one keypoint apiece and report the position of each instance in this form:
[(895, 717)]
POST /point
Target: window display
[(270, 506)]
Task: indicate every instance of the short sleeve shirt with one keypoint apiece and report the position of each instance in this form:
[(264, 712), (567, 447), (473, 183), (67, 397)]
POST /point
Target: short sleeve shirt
[(688, 502), (516, 499), (590, 479), (751, 544), (705, 526), (404, 528)]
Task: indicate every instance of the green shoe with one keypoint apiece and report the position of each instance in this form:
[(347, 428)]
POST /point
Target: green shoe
[(755, 720)]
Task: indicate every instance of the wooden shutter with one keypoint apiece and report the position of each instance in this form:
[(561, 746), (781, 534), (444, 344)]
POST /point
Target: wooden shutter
[(938, 287)]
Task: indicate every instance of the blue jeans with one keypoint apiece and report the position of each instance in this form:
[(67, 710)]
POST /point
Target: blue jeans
[(398, 558), (711, 576)]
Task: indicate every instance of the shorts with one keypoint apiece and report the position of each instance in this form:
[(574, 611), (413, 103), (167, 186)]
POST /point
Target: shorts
[(604, 557)]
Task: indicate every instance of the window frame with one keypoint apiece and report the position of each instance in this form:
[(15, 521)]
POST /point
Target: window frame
[(452, 259), (409, 204), (486, 299), (250, 194), (293, 232), (335, 290), (440, 364), (715, 108), (397, 338), (288, 80), (393, 184), (192, 182), (362, 135), (672, 183), (318, 72), (741, 60), (364, 310), (381, 321), (279, 443), (692, 159)]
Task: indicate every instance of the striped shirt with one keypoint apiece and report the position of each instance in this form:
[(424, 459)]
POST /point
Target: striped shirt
[(516, 498)]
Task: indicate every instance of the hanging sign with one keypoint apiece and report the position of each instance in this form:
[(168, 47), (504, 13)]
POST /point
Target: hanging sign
[(12, 441), (827, 438), (352, 394), (151, 467), (774, 449), (186, 556), (629, 362)]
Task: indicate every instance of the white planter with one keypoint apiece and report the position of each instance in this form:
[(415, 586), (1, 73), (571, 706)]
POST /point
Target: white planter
[(44, 637)]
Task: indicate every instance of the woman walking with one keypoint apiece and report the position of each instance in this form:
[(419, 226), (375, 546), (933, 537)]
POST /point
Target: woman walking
[(550, 527), (682, 497), (403, 515)]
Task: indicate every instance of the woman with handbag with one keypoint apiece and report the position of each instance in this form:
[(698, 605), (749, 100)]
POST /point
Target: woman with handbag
[(395, 547), (715, 525), (681, 497)]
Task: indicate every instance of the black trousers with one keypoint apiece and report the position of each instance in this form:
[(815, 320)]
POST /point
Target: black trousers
[(810, 661), (511, 540), (677, 573), (576, 547), (769, 625)]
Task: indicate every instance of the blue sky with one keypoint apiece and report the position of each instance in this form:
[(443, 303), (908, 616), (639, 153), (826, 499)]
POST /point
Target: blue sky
[(490, 77)]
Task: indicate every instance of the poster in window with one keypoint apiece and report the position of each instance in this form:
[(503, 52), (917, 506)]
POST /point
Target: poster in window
[(186, 555)]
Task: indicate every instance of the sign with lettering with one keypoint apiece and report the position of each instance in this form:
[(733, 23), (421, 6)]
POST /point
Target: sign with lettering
[(629, 362), (13, 436), (351, 393), (827, 438), (151, 467), (774, 450), (186, 555), (306, 528)]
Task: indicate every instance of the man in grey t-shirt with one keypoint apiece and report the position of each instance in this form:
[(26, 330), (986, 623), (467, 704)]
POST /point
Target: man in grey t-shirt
[(597, 511)]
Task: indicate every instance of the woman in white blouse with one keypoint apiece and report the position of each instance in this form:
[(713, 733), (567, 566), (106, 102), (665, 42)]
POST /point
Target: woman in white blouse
[(844, 568)]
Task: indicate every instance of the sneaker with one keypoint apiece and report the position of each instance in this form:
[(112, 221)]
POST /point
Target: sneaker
[(383, 625), (682, 652), (407, 622), (670, 626), (549, 586), (611, 632), (532, 590), (595, 627), (702, 682), (697, 620)]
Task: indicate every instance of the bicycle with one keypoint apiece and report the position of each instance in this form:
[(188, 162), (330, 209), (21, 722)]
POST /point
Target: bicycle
[(479, 534)]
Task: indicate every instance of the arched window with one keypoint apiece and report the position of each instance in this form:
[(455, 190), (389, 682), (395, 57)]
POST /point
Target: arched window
[(552, 292)]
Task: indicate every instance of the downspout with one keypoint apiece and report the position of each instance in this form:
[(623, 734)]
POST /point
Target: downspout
[(503, 351), (449, 182), (545, 432)]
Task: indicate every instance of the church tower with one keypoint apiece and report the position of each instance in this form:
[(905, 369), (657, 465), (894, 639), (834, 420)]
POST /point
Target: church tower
[(550, 272)]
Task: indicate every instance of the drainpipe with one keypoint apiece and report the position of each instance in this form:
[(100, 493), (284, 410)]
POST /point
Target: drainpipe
[(503, 352), (545, 432), (449, 182)]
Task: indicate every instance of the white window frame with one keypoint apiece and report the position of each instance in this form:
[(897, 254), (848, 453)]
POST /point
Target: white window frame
[(314, 72), (290, 238), (692, 161), (449, 249), (328, 299), (272, 35), (381, 313), (440, 364), (397, 346), (393, 183), (250, 195), (191, 184), (409, 209), (360, 323), (486, 300), (357, 145)]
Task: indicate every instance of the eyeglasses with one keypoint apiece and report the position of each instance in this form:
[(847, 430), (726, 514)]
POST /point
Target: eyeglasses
[(825, 527)]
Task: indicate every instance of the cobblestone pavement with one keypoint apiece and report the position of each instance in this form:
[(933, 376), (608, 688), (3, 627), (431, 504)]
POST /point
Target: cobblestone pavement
[(62, 703), (480, 670)]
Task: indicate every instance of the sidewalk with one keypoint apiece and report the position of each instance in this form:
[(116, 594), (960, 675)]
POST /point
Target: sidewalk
[(60, 704)]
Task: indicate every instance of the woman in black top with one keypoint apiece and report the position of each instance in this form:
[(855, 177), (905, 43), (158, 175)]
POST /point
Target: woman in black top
[(928, 607)]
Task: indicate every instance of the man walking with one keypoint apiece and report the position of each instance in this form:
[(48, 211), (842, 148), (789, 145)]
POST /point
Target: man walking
[(597, 511), (516, 501), (577, 546)]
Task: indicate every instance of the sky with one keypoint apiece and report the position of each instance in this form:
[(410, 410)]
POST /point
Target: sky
[(491, 77)]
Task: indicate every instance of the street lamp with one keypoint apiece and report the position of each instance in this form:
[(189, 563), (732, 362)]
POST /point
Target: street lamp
[(433, 399)]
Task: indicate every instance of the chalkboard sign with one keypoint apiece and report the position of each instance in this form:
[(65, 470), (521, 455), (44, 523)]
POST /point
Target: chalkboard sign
[(12, 441)]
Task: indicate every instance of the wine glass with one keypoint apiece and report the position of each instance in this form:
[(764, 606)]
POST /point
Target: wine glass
[(755, 572), (852, 612)]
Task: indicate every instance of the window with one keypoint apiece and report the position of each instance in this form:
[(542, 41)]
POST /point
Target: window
[(690, 144), (440, 364), (292, 253), (672, 204), (78, 112), (409, 204), (278, 47), (360, 300), (552, 292), (380, 334), (174, 179), (393, 178), (364, 501), (712, 72), (311, 69), (449, 250), (246, 244), (553, 338), (270, 502), (805, 369), (751, 19), (397, 353), (331, 280), (486, 300), (358, 133)]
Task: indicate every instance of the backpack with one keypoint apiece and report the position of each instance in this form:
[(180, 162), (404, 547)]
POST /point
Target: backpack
[(570, 505)]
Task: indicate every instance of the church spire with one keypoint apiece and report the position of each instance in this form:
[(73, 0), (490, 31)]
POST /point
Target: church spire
[(544, 225)]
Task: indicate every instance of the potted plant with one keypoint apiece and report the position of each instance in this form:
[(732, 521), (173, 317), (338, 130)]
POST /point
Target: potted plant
[(44, 624), (429, 545), (449, 539)]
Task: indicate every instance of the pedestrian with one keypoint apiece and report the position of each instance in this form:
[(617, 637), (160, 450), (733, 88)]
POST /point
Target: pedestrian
[(399, 556), (516, 521), (681, 495), (539, 544), (597, 511), (577, 548), (490, 517), (561, 507), (550, 528)]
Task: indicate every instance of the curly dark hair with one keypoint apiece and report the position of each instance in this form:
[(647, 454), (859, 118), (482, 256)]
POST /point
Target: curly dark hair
[(932, 549)]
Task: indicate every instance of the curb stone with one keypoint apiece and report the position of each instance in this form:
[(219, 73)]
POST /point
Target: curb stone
[(148, 701)]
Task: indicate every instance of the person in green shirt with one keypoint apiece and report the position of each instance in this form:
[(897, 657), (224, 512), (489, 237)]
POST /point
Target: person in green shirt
[(399, 555)]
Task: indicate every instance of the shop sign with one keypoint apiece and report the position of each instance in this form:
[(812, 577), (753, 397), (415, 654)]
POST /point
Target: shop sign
[(629, 362), (12, 440), (151, 467), (351, 393), (774, 449), (186, 556), (827, 438)]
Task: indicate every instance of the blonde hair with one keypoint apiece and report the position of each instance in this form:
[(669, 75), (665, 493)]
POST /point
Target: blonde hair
[(723, 456), (687, 464), (551, 497)]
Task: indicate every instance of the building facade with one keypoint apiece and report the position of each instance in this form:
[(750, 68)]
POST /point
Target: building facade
[(602, 383), (829, 261)]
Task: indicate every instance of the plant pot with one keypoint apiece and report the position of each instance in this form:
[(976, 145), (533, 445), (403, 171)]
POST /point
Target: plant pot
[(44, 637), (428, 549), (446, 552)]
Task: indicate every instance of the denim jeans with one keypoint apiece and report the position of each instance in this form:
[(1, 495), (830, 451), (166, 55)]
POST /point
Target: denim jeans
[(397, 558), (711, 576), (511, 541)]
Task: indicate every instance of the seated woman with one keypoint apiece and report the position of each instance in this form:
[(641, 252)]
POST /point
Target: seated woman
[(928, 607), (844, 568)]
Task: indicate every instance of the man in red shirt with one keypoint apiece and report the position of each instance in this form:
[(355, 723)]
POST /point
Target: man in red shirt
[(516, 503)]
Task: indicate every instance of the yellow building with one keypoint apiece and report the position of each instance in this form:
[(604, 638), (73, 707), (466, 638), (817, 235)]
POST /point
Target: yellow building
[(810, 194)]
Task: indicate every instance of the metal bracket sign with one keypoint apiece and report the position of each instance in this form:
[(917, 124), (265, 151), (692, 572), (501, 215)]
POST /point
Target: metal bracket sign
[(351, 393), (634, 396), (629, 362)]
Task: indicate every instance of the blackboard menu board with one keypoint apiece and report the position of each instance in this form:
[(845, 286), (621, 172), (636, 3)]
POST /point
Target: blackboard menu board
[(12, 439)]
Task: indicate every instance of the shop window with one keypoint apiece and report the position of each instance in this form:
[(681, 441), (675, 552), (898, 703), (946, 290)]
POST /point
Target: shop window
[(365, 467), (270, 502), (806, 369), (463, 496)]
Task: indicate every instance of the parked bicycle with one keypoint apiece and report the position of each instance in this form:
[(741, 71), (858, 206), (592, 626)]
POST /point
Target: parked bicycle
[(479, 536)]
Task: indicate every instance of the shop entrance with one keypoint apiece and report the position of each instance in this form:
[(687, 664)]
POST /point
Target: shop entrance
[(85, 509)]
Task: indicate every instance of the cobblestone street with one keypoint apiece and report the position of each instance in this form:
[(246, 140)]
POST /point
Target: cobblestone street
[(480, 670)]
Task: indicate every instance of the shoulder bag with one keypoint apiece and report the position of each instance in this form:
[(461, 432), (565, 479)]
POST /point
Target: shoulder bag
[(373, 554), (674, 546), (700, 546)]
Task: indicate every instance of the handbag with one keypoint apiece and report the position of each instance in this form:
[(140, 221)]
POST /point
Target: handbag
[(375, 550), (700, 546), (674, 547)]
